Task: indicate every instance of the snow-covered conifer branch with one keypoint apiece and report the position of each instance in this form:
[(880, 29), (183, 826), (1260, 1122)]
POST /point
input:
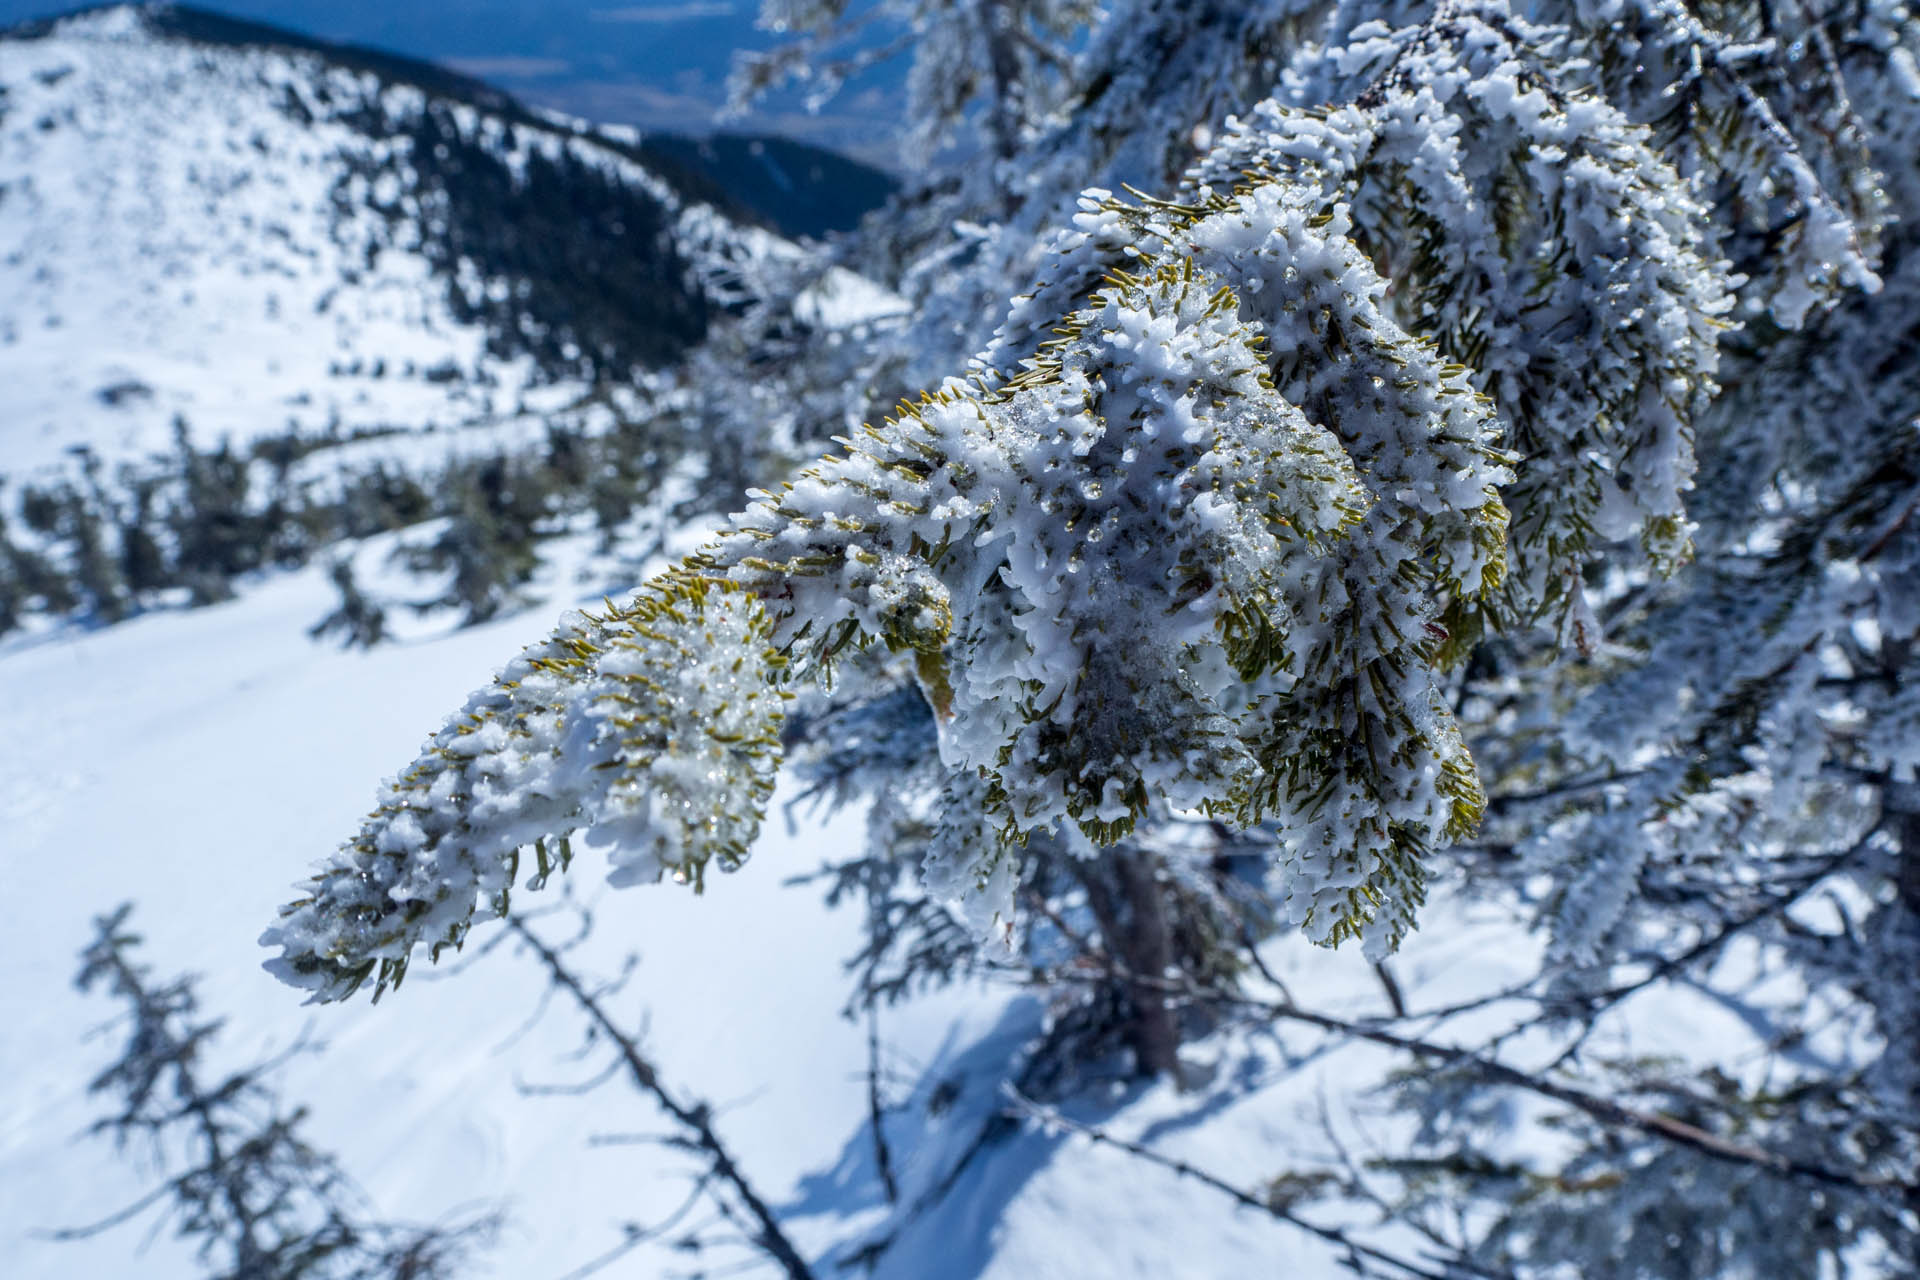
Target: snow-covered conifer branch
[(1536, 234), (1222, 495), (1193, 552), (653, 727)]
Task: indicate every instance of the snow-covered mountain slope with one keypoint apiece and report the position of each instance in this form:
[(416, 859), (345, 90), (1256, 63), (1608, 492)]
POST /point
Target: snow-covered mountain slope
[(193, 762), (256, 234), (161, 771)]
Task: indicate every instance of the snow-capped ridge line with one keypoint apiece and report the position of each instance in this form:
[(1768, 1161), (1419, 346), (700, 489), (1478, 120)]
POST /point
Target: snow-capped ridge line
[(162, 20), (262, 234)]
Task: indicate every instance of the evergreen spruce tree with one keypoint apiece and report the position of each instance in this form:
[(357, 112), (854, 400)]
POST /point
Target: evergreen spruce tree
[(15, 594), (1491, 453), (218, 537), (74, 517), (143, 563), (490, 542), (359, 621), (28, 581)]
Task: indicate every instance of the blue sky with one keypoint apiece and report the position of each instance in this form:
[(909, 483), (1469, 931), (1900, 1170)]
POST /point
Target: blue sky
[(658, 65)]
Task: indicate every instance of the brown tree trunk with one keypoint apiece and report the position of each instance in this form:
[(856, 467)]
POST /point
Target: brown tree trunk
[(1123, 891)]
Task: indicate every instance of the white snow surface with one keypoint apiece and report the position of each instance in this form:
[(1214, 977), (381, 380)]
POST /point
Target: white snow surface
[(196, 762), (165, 227)]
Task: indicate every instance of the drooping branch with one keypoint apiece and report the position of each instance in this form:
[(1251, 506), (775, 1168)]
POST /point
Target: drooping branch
[(1607, 1111)]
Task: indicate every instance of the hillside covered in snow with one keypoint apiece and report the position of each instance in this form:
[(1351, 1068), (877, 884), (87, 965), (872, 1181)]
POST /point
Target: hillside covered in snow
[(257, 238), (299, 282)]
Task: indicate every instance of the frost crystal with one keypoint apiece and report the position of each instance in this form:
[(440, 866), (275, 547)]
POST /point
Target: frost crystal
[(654, 726)]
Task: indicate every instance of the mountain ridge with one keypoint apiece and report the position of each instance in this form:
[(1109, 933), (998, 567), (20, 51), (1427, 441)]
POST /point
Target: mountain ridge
[(256, 298), (707, 168), (316, 243)]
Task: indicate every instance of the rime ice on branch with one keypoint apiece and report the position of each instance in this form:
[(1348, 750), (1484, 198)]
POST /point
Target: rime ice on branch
[(652, 727), (1181, 556), (1216, 505)]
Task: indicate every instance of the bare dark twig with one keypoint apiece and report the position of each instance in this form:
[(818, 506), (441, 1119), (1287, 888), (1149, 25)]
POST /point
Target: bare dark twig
[(1606, 1110), (1358, 1252), (697, 1118), (262, 1202), (876, 1112)]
